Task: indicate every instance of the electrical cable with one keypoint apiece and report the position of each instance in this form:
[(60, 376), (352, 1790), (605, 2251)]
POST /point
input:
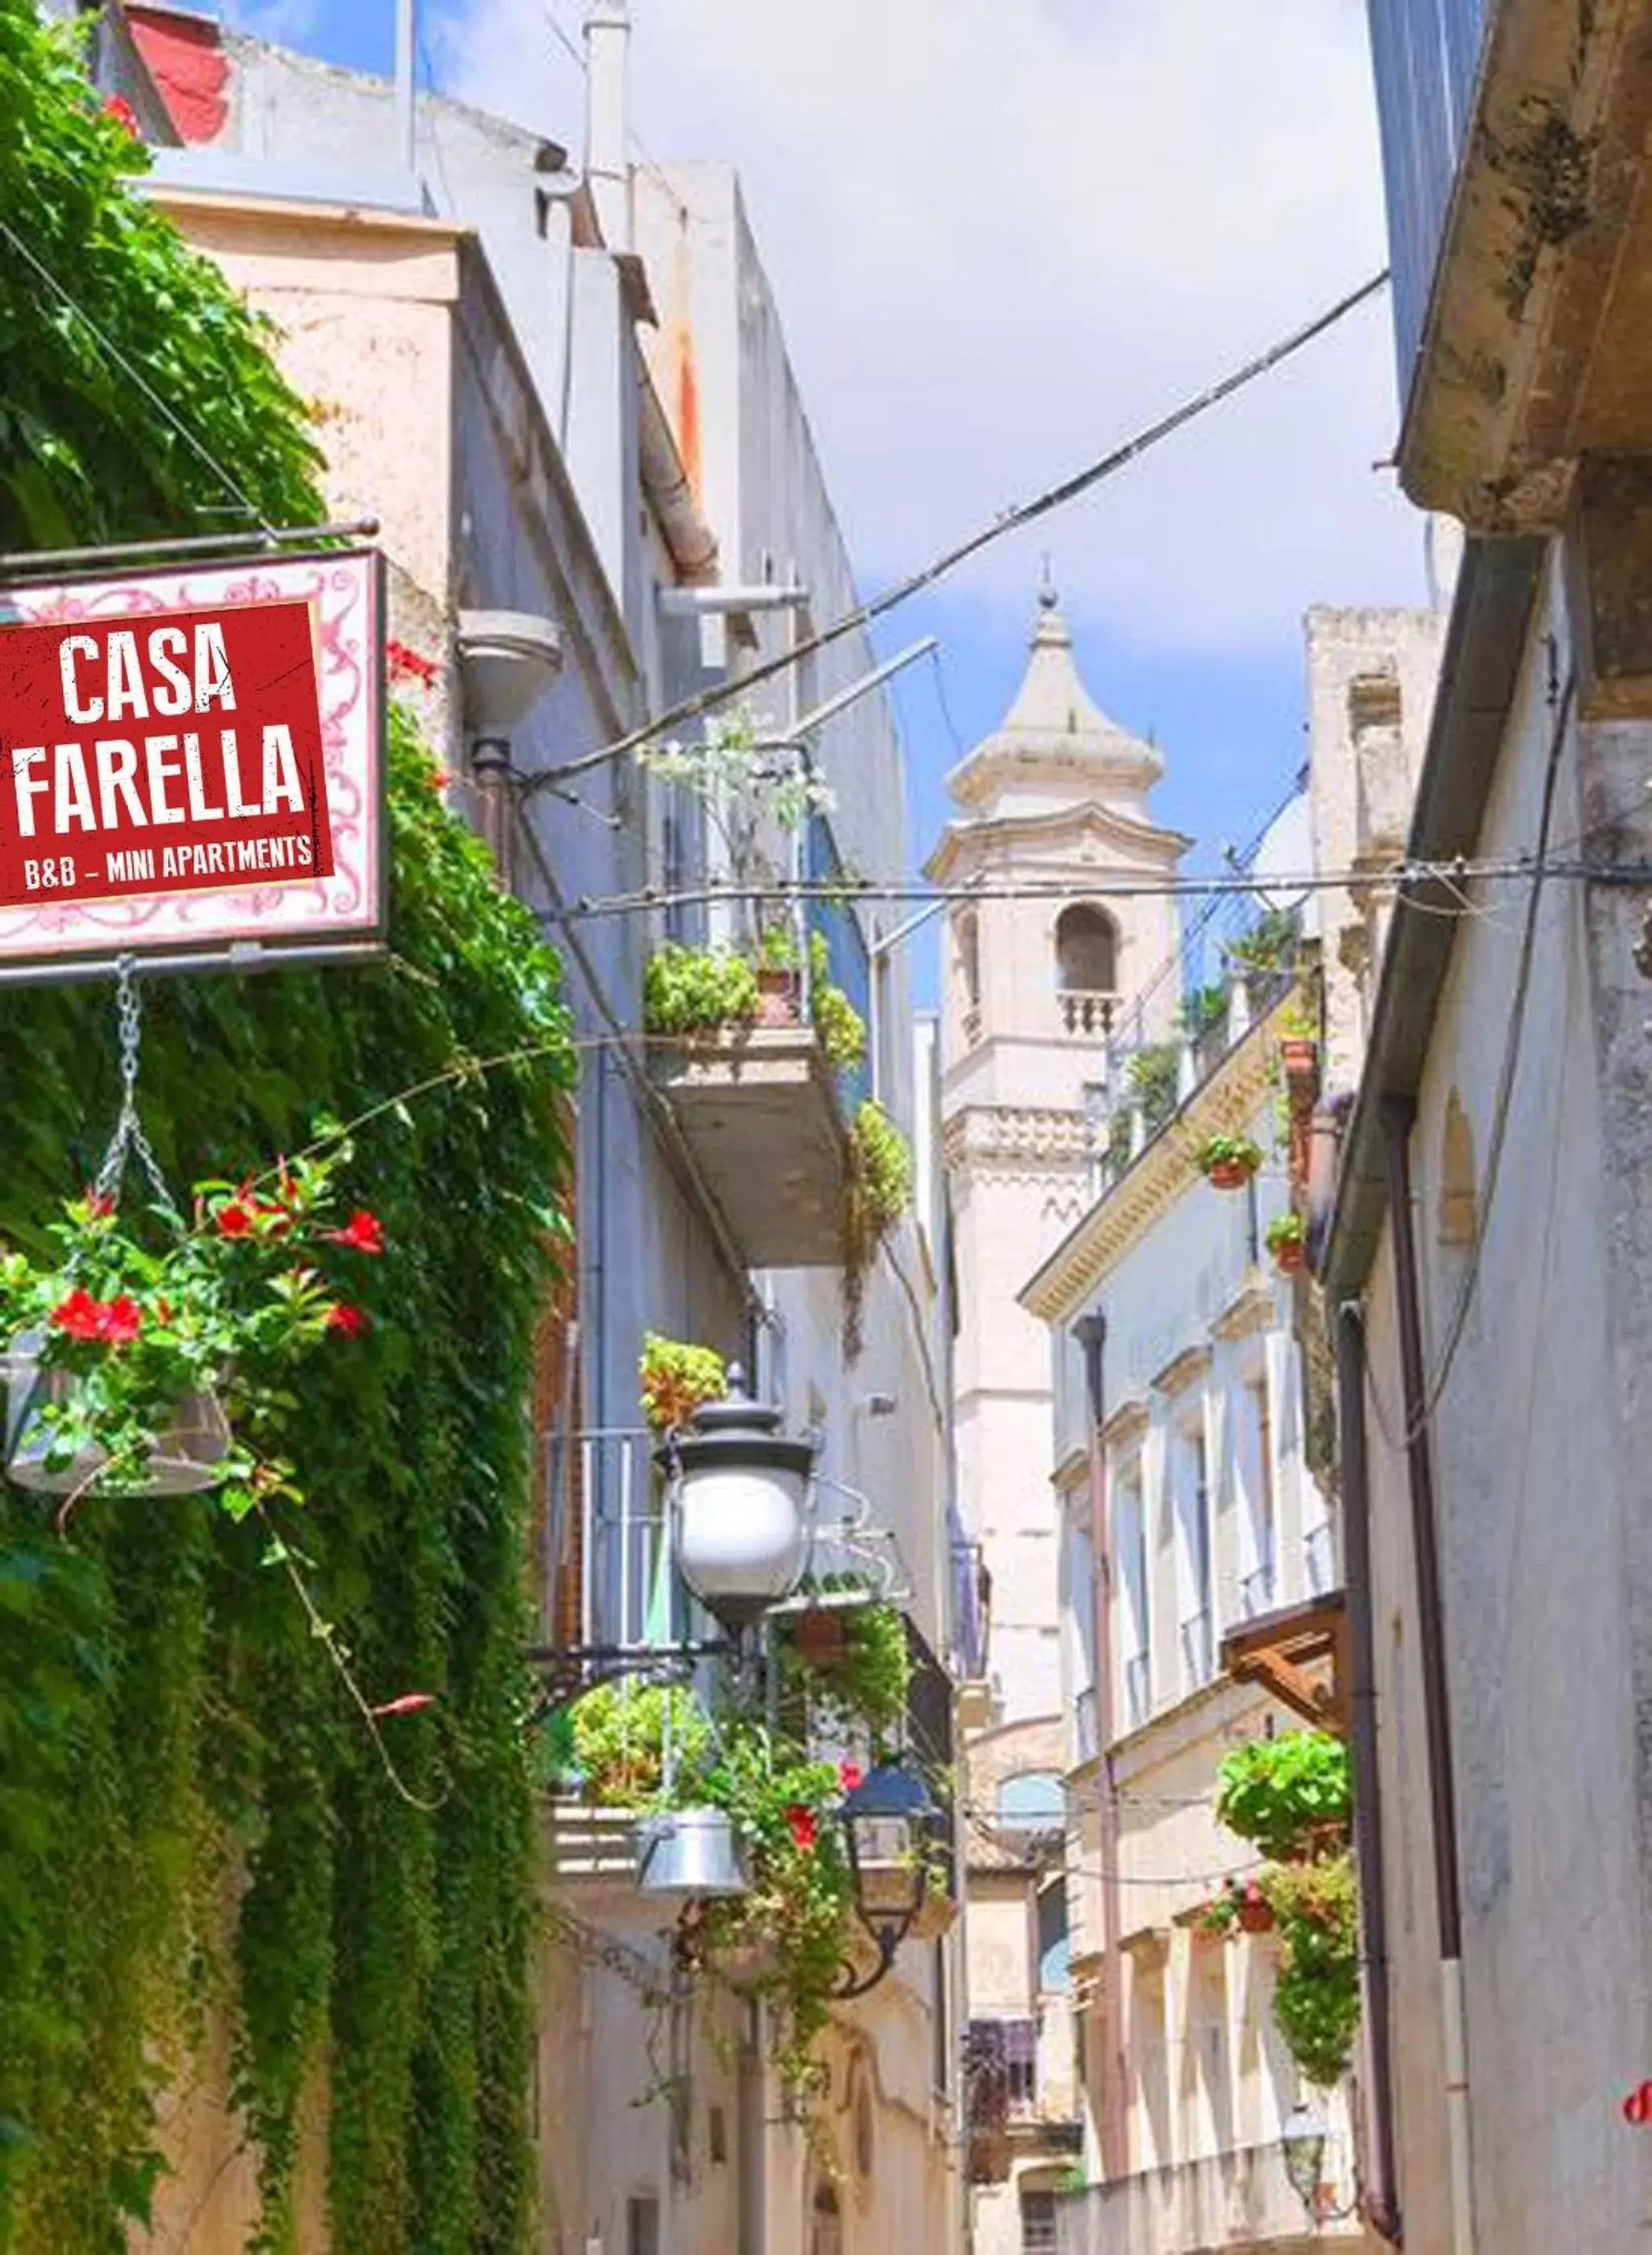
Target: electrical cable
[(135, 374), (1007, 521), (919, 892)]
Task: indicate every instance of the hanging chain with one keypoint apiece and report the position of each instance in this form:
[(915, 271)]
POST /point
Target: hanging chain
[(128, 1137)]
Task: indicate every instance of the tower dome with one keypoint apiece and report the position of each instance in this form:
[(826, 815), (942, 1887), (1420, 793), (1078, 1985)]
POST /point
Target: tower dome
[(1055, 742)]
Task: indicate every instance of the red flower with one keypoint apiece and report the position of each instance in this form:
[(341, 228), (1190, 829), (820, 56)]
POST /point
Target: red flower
[(121, 111), (408, 1703), (363, 1232), (109, 1322), (234, 1220), (347, 1318), (120, 1321), (849, 1774), (79, 1314), (800, 1822), (403, 660), (97, 1206)]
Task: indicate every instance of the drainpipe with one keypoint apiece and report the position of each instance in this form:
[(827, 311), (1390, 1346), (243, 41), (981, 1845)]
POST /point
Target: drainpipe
[(1379, 2199), (1398, 1115), (607, 161), (749, 2115), (1090, 1331)]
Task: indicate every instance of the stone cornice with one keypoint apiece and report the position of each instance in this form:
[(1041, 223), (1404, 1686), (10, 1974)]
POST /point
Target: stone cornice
[(1224, 1104), (1145, 842), (1179, 1372), (1253, 1311), (1021, 1135), (1127, 1422)]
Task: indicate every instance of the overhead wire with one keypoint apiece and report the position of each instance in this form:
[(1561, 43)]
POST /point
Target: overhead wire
[(1013, 519)]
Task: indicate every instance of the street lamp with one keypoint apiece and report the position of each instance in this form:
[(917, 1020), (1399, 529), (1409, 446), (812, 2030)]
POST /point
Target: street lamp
[(1302, 2142), (739, 1487), (886, 1822)]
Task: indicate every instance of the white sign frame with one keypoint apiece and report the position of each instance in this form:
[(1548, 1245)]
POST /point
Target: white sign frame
[(342, 917)]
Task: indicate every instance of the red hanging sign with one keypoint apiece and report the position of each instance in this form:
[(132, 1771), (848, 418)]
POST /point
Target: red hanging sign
[(190, 763)]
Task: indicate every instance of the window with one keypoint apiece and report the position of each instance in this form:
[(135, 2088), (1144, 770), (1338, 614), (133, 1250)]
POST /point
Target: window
[(966, 931), (1254, 1453), (1020, 2040), (1034, 1802), (643, 2226), (1191, 1495), (1129, 1537), (1038, 2223), (1053, 1948), (1086, 951)]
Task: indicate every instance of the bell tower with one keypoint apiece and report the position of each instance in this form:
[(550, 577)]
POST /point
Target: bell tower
[(1060, 963)]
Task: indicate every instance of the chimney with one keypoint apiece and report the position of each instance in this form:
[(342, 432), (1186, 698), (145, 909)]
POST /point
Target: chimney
[(607, 163)]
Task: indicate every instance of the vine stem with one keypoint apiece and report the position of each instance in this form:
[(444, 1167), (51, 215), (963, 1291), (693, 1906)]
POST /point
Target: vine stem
[(323, 1630)]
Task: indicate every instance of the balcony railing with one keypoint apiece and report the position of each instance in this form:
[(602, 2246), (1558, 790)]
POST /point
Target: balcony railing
[(1136, 1691), (1196, 1659), (1320, 1551), (1239, 2199), (970, 1588), (1256, 1591), (630, 1593), (1426, 53), (1087, 1725), (1088, 1014)]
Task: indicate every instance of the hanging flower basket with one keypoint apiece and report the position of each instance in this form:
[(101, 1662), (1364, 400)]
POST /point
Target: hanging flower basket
[(186, 1457), (1286, 1239), (1229, 1162)]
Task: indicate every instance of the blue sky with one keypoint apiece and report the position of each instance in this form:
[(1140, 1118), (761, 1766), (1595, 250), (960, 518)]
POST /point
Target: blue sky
[(1001, 240)]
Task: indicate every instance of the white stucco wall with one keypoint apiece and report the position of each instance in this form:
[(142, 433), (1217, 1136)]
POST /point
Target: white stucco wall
[(1539, 1442)]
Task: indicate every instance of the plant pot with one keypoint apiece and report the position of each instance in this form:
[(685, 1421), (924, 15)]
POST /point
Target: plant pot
[(689, 1852), (820, 1637), (1255, 1917), (776, 997), (1229, 1175), (1298, 1055), (184, 1460), (1288, 1259)]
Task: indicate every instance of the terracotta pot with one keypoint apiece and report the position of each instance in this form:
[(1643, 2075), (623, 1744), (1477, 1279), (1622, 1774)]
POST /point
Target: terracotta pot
[(1229, 1175), (1298, 1054), (776, 997), (1255, 1917), (1288, 1258), (820, 1636)]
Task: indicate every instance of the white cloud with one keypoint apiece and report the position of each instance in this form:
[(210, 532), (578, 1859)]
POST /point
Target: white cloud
[(1004, 234)]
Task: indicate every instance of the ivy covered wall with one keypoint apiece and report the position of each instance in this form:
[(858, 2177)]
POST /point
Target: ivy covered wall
[(196, 1829)]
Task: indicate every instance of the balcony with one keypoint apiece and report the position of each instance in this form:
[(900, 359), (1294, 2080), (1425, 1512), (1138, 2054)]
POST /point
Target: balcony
[(759, 1110), (1087, 1015), (1514, 136), (1239, 2199)]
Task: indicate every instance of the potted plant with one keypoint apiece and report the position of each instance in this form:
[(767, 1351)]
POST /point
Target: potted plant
[(1252, 1908), (678, 1378), (1229, 1162), (697, 990), (1290, 1796), (1298, 1040), (1286, 1240), (776, 967)]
